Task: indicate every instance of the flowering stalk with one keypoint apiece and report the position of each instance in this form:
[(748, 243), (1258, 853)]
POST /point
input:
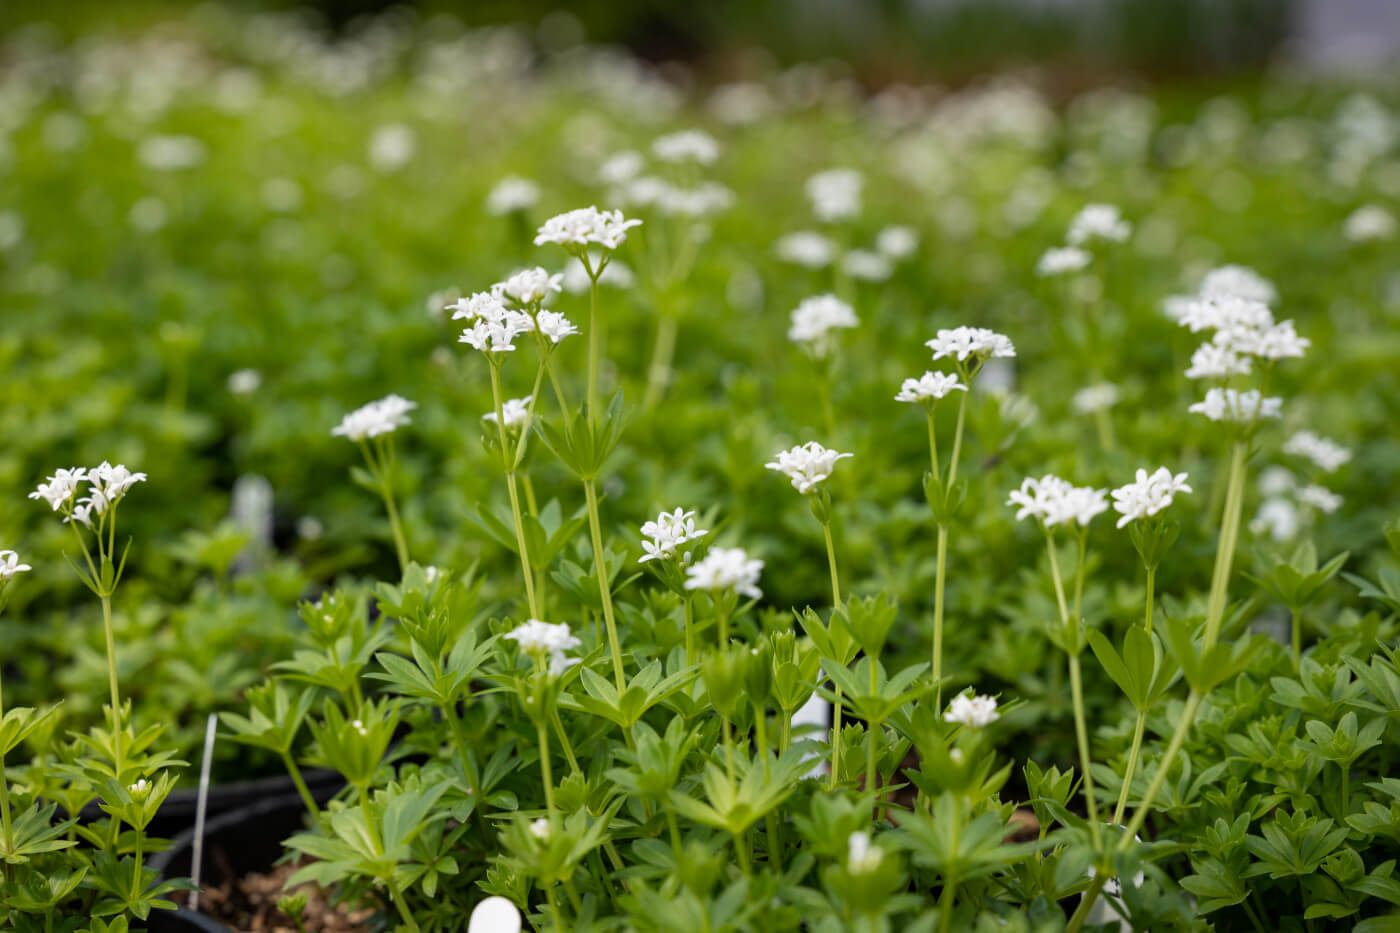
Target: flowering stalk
[(525, 569), (1081, 731), (595, 327), (379, 457), (590, 492)]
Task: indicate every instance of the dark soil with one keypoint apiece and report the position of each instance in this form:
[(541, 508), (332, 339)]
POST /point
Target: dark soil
[(249, 904)]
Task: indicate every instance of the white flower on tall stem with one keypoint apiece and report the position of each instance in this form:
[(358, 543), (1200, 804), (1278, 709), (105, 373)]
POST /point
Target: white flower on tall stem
[(9, 566), (529, 287), (576, 230), (1238, 407), (1213, 361), (930, 387), (1053, 501), (835, 194), (1095, 398), (670, 530), (1325, 454), (1148, 494), (726, 569), (806, 465), (964, 342), (60, 487), (512, 194), (814, 321), (1098, 222), (494, 326), (806, 248), (554, 326), (514, 411), (975, 712), (546, 642), (686, 146), (1059, 260), (377, 418)]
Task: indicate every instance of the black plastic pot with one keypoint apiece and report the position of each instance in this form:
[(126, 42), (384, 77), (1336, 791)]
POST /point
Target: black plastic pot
[(247, 839)]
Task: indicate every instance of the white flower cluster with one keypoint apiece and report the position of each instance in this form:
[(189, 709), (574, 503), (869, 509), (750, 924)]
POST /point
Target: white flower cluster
[(512, 194), (1325, 454), (897, 242), (10, 565), (725, 568), (835, 194), (806, 465), (806, 248), (382, 416), (494, 326), (1238, 407), (108, 484), (686, 146), (813, 321), (514, 411), (544, 640), (529, 286), (1053, 501), (1098, 222), (584, 227), (862, 856), (1097, 397), (975, 712), (930, 386), (703, 200), (963, 342), (1148, 494), (1368, 223), (1280, 516), (1059, 260), (867, 265), (662, 537)]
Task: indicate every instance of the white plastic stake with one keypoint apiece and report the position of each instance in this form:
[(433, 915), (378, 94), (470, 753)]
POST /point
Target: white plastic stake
[(197, 855)]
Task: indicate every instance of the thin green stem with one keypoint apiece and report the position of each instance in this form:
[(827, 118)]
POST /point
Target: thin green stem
[(932, 444), (111, 652), (525, 569), (1297, 620), (728, 750), (1058, 580), (873, 729), (831, 562), (1151, 590), (938, 596), (590, 493), (595, 325), (741, 849), (659, 371), (957, 439), (1078, 615), (545, 773), (371, 824), (836, 740), (395, 526), (554, 908), (1225, 550), (689, 631), (1081, 733), (1132, 767), (1188, 715), (564, 742), (305, 792), (464, 749)]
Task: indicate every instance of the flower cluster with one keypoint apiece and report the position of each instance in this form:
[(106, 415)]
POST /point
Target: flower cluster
[(806, 465), (512, 194), (494, 326), (806, 248), (1148, 494), (1053, 501), (813, 321), (546, 641), (1325, 454), (670, 530), (1061, 259), (1098, 222), (586, 226), (964, 342), (725, 568), (107, 485), (975, 712), (514, 411), (686, 146), (1238, 407), (1094, 398), (930, 386), (528, 287), (382, 416), (835, 194)]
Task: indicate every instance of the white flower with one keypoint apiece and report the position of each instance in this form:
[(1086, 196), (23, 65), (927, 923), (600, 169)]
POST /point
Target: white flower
[(108, 483), (140, 789), (1148, 494), (866, 265), (806, 464), (1097, 397), (668, 532), (1061, 259), (726, 568), (514, 410), (1321, 498), (1238, 407), (495, 914), (1213, 361), (1276, 481), (930, 386), (615, 273), (806, 248), (10, 565), (814, 320), (494, 326), (244, 381), (543, 640), (701, 201), (897, 242), (555, 326), (861, 856), (1077, 505), (975, 712), (1098, 222), (382, 416), (60, 487), (1278, 518), (1371, 222), (1054, 501), (622, 167), (1035, 496), (392, 147), (963, 342), (586, 226), (686, 146), (512, 194), (540, 828), (171, 153), (1238, 282), (1325, 454), (1274, 343), (529, 286), (835, 194)]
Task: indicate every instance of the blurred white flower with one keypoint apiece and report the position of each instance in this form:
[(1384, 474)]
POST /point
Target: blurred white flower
[(622, 167), (897, 242), (814, 320), (1321, 498), (544, 640), (962, 342), (686, 146), (1278, 518), (1234, 281), (171, 153), (244, 381), (1238, 407), (806, 248), (10, 565), (726, 569), (975, 712), (1325, 454), (1061, 259), (529, 286), (835, 194), (1095, 398), (584, 226), (1098, 222), (806, 465), (930, 386), (512, 194), (391, 147), (862, 857), (1148, 494), (1212, 361), (495, 914), (382, 416), (1276, 481), (514, 410), (866, 265), (669, 531), (1371, 222)]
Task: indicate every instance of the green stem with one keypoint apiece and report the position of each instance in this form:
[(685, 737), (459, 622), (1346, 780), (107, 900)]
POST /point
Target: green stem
[(5, 824), (1132, 766), (590, 493), (525, 569), (945, 904), (938, 591), (1225, 550), (1078, 616), (545, 774), (1297, 640), (395, 526), (1086, 903), (1058, 580), (728, 750), (836, 740), (872, 778), (136, 866), (1151, 586), (111, 654), (564, 742), (1346, 791), (932, 444), (1188, 715), (742, 850), (371, 824), (594, 341), (464, 748), (305, 792), (689, 631), (957, 439), (831, 562), (659, 372), (554, 908), (1081, 733)]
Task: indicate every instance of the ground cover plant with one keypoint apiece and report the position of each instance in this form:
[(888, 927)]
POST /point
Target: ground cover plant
[(556, 450)]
